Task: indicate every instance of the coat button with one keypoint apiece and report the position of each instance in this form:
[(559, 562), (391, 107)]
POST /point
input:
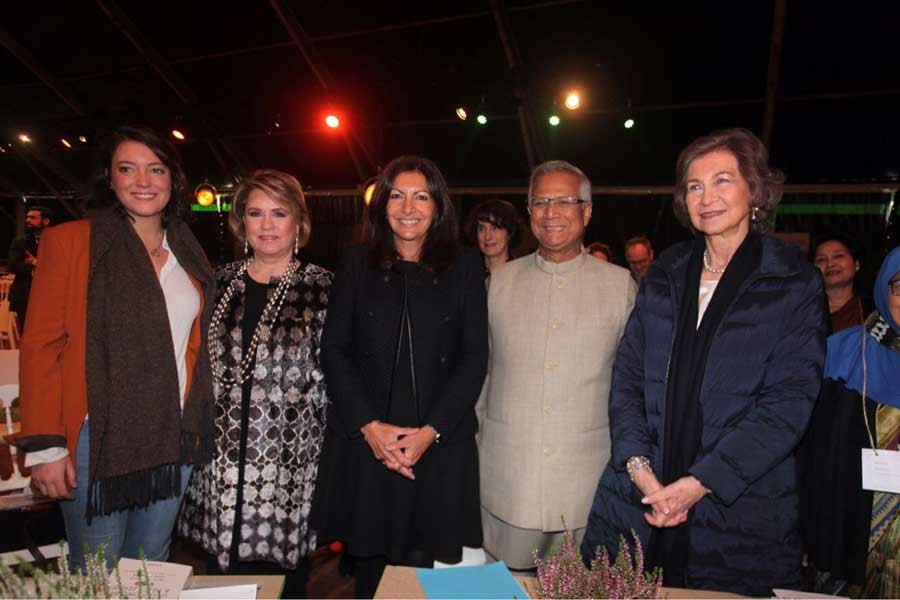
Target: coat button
[(548, 451), (443, 359)]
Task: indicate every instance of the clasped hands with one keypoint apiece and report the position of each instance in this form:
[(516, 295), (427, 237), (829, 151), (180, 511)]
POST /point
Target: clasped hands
[(670, 504), (398, 448)]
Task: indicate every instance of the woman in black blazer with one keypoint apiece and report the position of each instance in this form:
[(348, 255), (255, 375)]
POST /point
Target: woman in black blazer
[(405, 353)]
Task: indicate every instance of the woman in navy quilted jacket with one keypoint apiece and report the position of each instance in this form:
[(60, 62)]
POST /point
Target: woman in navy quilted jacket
[(713, 385)]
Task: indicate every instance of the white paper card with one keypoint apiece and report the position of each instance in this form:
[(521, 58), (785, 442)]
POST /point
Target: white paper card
[(881, 473), (244, 591), (796, 595)]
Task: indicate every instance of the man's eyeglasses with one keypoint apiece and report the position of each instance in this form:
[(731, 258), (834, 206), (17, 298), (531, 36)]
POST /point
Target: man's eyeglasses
[(536, 202), (894, 287)]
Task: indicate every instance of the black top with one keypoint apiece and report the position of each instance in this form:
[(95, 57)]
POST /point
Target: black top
[(255, 298), (407, 346), (837, 511)]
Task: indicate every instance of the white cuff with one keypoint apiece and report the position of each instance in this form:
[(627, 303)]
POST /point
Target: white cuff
[(45, 456)]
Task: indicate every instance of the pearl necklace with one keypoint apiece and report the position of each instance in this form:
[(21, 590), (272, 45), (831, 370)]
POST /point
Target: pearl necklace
[(269, 314), (708, 267)]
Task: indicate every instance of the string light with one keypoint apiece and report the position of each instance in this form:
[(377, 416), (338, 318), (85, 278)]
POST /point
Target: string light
[(629, 123), (82, 139), (482, 120), (554, 120), (461, 113), (24, 138), (177, 134), (573, 100), (65, 142)]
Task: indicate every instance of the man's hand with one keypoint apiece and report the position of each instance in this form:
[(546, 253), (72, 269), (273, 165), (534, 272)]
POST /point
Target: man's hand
[(54, 479), (30, 259)]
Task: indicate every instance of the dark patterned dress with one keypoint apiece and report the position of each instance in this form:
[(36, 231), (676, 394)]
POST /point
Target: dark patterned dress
[(252, 502)]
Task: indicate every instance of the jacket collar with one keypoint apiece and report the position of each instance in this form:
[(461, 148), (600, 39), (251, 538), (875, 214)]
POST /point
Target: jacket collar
[(779, 259)]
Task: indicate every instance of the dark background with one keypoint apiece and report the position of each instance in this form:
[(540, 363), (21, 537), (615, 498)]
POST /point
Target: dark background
[(226, 72)]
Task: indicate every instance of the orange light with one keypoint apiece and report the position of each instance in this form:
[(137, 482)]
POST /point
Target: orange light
[(205, 194), (176, 133), (25, 138), (82, 139), (65, 142), (332, 121), (573, 100), (370, 191)]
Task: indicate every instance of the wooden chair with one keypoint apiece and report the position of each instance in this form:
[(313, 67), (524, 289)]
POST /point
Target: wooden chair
[(9, 329), (17, 481)]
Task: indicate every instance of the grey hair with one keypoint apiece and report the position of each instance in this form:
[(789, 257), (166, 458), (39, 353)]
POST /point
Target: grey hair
[(561, 166)]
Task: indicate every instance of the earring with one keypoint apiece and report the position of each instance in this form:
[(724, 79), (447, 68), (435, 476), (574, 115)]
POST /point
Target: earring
[(246, 247), (297, 244), (754, 213)]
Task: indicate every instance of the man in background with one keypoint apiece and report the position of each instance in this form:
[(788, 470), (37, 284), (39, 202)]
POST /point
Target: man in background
[(23, 259), (638, 255)]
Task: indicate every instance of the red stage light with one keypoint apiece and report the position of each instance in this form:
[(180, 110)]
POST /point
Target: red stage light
[(332, 121)]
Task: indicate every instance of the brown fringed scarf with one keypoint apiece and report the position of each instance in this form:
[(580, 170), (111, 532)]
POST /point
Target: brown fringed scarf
[(139, 437)]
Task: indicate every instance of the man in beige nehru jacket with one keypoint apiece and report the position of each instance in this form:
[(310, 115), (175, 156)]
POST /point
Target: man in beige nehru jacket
[(556, 317)]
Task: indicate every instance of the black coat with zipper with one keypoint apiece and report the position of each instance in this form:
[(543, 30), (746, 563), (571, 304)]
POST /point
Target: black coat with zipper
[(361, 348)]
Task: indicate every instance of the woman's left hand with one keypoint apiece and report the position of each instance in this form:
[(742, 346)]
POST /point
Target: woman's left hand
[(681, 495), (411, 447)]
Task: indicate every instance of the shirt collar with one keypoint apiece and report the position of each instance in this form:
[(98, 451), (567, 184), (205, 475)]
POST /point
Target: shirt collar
[(559, 268)]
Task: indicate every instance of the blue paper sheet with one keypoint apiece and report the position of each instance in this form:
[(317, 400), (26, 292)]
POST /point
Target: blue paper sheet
[(488, 581)]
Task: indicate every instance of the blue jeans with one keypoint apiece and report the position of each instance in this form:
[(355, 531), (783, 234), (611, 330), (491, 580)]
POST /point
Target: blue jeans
[(124, 532)]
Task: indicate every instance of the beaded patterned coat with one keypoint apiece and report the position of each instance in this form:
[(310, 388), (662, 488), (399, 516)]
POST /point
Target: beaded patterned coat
[(284, 433)]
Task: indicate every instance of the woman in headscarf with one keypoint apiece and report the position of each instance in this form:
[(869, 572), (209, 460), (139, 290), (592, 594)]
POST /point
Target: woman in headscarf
[(852, 532)]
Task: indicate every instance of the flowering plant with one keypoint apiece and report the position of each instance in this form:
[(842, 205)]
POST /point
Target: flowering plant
[(31, 582), (564, 575)]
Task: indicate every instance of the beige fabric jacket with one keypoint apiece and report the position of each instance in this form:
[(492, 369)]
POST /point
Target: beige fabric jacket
[(544, 441)]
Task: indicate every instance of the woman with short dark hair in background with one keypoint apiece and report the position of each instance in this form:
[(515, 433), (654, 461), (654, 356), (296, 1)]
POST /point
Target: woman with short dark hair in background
[(115, 378), (249, 508), (713, 385), (405, 352), (494, 226), (836, 258), (600, 251)]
